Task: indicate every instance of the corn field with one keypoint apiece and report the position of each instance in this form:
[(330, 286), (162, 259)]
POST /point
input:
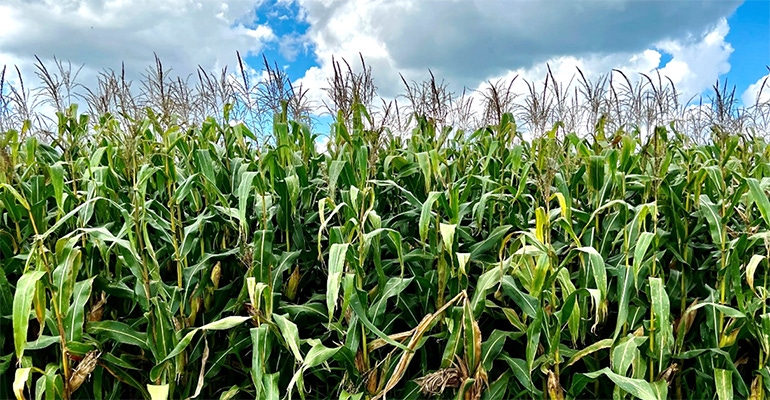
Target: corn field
[(146, 259)]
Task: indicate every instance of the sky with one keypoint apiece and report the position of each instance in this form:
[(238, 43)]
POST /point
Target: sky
[(464, 42)]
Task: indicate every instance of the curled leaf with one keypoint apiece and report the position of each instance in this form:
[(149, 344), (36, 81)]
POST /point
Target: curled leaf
[(20, 381)]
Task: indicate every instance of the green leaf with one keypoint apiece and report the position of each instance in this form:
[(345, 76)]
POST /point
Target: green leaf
[(22, 303), (599, 273), (664, 338), (204, 164), (6, 296), (222, 324), (335, 169), (724, 383), (120, 362), (494, 238), (19, 198), (336, 269), (192, 234), (161, 336), (230, 393), (317, 355), (492, 347), (526, 303), (570, 311), (594, 347), (758, 196), (597, 268), (263, 255), (522, 373), (347, 396), (473, 339), (393, 287), (260, 352), (65, 273), (453, 342), (244, 190), (498, 388), (645, 238), (639, 388), (726, 310), (625, 287), (290, 334), (57, 181), (424, 162), (270, 382), (660, 388), (710, 211), (119, 332), (42, 342), (486, 281), (596, 176), (73, 322), (533, 339), (625, 352), (425, 214), (358, 308)]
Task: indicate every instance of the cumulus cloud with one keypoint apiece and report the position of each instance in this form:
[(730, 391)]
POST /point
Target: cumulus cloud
[(102, 34), (696, 62), (758, 92), (464, 42), (468, 41)]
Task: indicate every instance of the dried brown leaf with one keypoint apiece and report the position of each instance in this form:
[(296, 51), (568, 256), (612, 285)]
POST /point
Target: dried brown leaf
[(97, 310), (436, 382), (744, 359), (371, 381), (83, 370), (398, 337), (204, 358), (669, 373), (555, 391), (688, 317), (419, 331)]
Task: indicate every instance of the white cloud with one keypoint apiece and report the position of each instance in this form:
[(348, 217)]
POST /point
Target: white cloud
[(315, 82), (464, 42), (469, 41), (698, 62), (488, 42), (757, 92), (103, 34)]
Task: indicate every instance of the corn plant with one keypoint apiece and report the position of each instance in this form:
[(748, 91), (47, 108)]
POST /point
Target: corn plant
[(148, 258)]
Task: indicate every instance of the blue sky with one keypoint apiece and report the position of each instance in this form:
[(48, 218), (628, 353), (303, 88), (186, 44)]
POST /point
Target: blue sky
[(464, 42), (285, 21), (750, 36)]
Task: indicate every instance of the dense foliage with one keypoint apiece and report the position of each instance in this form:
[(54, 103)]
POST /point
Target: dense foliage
[(154, 261)]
